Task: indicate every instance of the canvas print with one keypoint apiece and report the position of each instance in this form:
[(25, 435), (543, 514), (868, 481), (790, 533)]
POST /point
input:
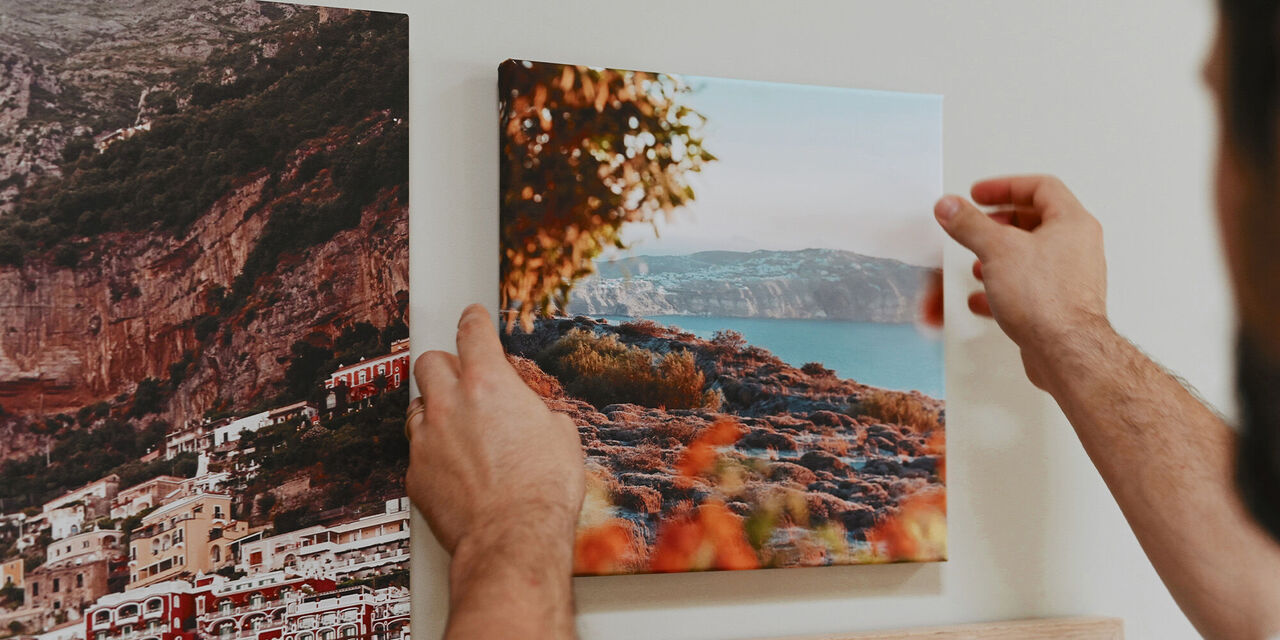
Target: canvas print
[(722, 283), (204, 360)]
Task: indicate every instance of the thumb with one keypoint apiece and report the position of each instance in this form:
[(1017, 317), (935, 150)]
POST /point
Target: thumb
[(967, 224)]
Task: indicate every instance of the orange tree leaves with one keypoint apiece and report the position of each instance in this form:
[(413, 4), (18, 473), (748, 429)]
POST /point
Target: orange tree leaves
[(584, 151)]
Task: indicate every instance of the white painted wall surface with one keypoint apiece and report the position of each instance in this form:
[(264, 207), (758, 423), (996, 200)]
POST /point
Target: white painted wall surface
[(1104, 93)]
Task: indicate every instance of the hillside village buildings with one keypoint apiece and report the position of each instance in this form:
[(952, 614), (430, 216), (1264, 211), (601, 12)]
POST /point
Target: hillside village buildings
[(188, 569), (371, 376)]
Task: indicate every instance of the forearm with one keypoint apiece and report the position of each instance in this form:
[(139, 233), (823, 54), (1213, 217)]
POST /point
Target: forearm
[(512, 584), (1168, 461)]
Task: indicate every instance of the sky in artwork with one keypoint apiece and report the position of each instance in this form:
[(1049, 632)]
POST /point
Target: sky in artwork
[(809, 167)]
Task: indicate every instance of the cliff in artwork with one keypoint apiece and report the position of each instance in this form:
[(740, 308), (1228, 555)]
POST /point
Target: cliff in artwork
[(810, 284)]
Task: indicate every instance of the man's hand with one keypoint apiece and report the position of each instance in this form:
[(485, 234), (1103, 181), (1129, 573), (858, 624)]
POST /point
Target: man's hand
[(1165, 456), (1040, 260), (500, 479)]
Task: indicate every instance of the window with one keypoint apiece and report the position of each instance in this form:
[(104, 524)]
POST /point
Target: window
[(362, 376), (35, 589), (102, 616), (217, 511), (225, 606), (349, 632), (154, 604), (79, 580), (56, 585), (327, 634), (177, 536), (133, 552)]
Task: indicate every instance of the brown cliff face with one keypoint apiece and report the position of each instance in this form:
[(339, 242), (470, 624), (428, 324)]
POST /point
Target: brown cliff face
[(73, 336)]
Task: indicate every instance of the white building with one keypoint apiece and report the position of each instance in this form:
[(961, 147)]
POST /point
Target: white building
[(354, 549), (232, 430)]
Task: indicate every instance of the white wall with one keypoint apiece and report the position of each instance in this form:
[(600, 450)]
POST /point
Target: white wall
[(1102, 92)]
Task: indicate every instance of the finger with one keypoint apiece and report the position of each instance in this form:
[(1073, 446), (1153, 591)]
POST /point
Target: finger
[(436, 373), (977, 269), (1024, 218), (969, 226), (931, 310), (1046, 193), (979, 304), (478, 342), (414, 418)]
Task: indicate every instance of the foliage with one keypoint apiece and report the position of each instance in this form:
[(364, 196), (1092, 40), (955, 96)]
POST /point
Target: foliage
[(817, 370), (362, 454), (77, 457), (310, 364), (148, 397), (603, 371), (333, 74), (11, 597), (896, 407), (584, 152)]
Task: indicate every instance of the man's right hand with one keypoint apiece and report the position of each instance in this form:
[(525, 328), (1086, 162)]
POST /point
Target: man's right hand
[(1041, 263)]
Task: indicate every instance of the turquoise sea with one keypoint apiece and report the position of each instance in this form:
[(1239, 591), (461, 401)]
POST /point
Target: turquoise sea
[(894, 356)]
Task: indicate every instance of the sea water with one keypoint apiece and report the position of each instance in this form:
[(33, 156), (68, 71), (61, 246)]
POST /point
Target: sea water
[(903, 357)]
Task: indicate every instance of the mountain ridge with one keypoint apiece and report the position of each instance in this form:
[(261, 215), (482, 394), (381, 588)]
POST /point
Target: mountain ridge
[(832, 284)]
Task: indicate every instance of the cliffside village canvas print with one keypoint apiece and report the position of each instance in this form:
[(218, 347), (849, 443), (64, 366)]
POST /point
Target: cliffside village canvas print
[(204, 360), (722, 282)]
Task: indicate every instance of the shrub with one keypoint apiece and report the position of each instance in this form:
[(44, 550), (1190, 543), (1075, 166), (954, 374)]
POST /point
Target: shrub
[(603, 371), (642, 329), (728, 340), (817, 370), (896, 407)]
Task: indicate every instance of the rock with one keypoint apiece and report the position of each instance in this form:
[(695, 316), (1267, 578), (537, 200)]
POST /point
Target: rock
[(824, 506), (788, 472), (883, 467), (822, 461), (927, 464), (858, 518), (644, 500), (766, 439), (830, 419)]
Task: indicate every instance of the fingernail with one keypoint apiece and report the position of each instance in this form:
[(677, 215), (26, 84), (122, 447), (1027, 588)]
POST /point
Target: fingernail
[(946, 208)]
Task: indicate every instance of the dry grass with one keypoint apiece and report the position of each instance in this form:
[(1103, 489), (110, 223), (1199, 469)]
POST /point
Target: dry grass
[(603, 371), (895, 407)]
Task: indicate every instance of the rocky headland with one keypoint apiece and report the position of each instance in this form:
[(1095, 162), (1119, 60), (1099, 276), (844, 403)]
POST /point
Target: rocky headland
[(810, 284)]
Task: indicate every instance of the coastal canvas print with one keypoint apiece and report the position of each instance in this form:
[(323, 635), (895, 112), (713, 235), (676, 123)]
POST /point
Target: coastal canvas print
[(204, 362), (722, 282)]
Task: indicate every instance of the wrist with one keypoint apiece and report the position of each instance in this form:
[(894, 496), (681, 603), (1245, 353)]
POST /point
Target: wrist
[(1055, 356), (512, 581)]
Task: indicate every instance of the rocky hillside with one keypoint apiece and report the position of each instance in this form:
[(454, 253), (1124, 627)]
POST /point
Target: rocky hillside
[(809, 284), (81, 67), (842, 456), (264, 207)]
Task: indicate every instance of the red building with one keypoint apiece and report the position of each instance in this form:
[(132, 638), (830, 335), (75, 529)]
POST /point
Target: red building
[(161, 611), (250, 608), (362, 378), (354, 613), (254, 607)]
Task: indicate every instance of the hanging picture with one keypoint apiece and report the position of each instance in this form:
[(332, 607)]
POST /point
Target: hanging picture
[(722, 283), (204, 363)]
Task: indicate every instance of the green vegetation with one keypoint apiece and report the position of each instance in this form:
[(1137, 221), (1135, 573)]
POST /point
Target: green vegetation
[(311, 364), (603, 371), (330, 76), (353, 458), (81, 455)]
